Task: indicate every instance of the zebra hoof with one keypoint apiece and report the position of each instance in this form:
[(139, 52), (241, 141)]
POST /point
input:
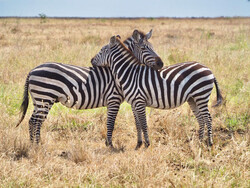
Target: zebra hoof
[(109, 143), (139, 144), (147, 144), (210, 144)]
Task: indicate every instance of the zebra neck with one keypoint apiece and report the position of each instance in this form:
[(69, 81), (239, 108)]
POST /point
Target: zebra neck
[(129, 44), (123, 62)]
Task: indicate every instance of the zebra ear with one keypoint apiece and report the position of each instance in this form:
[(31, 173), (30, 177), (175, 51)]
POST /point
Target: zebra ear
[(118, 36), (112, 41), (136, 35), (149, 34)]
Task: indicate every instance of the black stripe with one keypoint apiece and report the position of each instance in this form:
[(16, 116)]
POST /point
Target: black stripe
[(200, 85), (193, 79), (45, 93), (147, 81), (47, 85), (161, 88), (152, 71)]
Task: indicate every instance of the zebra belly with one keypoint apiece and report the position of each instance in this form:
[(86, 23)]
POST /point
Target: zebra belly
[(159, 105)]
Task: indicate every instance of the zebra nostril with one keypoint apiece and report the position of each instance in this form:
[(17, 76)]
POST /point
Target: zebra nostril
[(159, 64)]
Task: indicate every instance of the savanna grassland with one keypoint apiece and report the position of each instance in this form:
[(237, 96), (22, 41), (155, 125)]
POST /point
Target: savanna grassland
[(72, 152)]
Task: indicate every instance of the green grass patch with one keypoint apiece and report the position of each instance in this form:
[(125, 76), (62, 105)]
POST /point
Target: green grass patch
[(11, 98), (240, 43), (237, 122)]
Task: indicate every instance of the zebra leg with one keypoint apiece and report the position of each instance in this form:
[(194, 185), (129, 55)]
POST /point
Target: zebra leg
[(203, 116), (35, 123), (38, 117), (31, 129), (141, 118), (208, 120), (112, 113), (139, 130), (198, 116)]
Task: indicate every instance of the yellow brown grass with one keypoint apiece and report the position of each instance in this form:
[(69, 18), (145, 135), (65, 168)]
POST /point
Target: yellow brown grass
[(72, 151)]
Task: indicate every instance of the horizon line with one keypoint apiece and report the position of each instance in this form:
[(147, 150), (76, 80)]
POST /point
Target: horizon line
[(122, 17)]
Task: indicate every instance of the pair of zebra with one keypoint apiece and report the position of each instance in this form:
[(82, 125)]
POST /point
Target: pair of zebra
[(124, 78)]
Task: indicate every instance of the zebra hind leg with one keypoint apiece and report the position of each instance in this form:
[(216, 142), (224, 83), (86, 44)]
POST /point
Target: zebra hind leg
[(35, 124), (198, 116), (31, 128), (38, 117), (208, 121), (203, 116)]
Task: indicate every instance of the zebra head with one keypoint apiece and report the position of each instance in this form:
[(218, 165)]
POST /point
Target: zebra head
[(139, 45), (103, 58)]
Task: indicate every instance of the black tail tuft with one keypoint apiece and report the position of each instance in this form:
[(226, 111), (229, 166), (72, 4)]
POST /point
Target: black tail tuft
[(219, 96), (25, 102)]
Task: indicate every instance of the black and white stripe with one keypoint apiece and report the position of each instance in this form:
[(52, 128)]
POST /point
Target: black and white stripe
[(168, 88), (75, 87)]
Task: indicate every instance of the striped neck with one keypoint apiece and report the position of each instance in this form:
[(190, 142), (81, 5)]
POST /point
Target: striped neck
[(129, 44), (121, 56), (123, 64)]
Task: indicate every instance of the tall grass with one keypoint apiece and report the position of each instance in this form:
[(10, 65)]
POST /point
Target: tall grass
[(72, 151)]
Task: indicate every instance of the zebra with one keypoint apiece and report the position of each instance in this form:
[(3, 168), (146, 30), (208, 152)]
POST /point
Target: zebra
[(80, 87), (167, 88)]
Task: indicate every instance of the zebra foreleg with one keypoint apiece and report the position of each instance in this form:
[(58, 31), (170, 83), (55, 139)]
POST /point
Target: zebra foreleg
[(141, 118), (112, 113), (139, 130)]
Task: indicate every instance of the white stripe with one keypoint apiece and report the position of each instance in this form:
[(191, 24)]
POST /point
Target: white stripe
[(187, 92), (184, 81), (56, 83), (170, 72), (86, 96)]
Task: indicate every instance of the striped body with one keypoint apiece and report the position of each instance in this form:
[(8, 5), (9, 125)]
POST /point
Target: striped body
[(167, 88), (170, 87), (74, 87)]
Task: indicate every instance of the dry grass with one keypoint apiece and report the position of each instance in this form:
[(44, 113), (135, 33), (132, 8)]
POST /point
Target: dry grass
[(73, 153)]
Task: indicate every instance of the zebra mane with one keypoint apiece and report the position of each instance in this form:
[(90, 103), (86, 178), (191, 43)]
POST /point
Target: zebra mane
[(142, 34), (128, 51)]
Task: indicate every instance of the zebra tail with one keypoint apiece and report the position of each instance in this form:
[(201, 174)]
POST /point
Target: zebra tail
[(25, 102), (219, 96)]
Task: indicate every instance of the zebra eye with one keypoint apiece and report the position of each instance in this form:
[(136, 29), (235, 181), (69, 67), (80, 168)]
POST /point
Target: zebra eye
[(143, 47)]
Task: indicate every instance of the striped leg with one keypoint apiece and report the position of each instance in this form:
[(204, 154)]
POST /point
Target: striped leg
[(198, 116), (208, 121), (112, 113), (138, 127), (141, 118), (203, 116), (38, 117), (31, 128), (35, 124)]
